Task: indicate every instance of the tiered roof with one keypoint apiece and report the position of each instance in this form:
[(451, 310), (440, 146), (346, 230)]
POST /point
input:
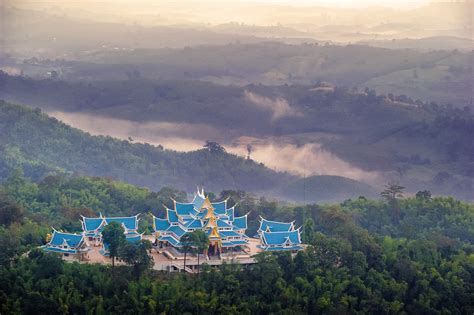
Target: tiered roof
[(276, 236), (274, 226), (66, 243), (214, 218), (93, 227)]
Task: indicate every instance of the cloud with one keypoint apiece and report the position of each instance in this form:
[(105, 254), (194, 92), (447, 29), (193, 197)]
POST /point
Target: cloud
[(306, 160), (278, 107)]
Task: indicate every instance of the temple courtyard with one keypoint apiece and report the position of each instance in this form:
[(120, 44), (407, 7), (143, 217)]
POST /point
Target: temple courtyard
[(170, 260)]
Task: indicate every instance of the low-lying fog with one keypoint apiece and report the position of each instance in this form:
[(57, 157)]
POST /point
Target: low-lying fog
[(278, 154)]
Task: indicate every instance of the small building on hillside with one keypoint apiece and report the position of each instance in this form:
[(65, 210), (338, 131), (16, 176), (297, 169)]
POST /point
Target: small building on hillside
[(66, 244), (93, 227), (225, 231), (279, 236)]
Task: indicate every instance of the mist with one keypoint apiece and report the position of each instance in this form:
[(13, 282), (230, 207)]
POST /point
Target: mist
[(306, 160), (278, 107)]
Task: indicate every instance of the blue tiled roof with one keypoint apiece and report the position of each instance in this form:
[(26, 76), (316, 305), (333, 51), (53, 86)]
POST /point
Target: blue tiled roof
[(194, 224), (185, 209), (161, 224), (72, 240), (172, 216), (233, 243), (202, 214), (274, 226), (220, 207), (239, 242), (177, 230), (240, 222), (223, 224), (280, 238), (169, 239), (198, 201), (230, 214), (229, 233), (131, 223), (91, 224)]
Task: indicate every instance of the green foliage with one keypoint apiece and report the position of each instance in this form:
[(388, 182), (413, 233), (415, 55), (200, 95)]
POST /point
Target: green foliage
[(41, 146), (308, 231), (136, 254), (113, 235), (392, 192), (359, 260), (200, 242)]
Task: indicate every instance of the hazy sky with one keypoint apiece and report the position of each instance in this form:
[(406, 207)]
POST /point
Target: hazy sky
[(346, 3), (337, 3)]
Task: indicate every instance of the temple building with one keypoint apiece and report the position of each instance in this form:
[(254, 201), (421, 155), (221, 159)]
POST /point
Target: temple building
[(93, 227), (278, 236), (225, 231), (66, 243)]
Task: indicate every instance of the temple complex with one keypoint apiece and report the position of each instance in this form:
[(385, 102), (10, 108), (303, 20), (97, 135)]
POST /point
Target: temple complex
[(225, 231)]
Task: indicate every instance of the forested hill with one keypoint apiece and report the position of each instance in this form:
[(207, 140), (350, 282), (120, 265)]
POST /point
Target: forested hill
[(423, 145), (394, 256), (40, 144)]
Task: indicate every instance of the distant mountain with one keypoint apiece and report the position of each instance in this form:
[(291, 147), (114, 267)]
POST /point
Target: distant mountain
[(425, 44), (326, 189), (442, 76)]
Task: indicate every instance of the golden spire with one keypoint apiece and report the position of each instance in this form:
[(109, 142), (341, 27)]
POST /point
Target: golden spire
[(214, 233), (206, 204)]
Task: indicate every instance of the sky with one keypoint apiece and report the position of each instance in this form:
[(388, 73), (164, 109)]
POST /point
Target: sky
[(346, 3), (329, 3)]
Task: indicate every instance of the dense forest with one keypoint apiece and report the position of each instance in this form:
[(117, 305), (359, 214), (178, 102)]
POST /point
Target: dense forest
[(394, 255), (40, 145)]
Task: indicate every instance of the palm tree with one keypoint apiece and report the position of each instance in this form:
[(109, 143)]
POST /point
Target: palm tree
[(187, 243)]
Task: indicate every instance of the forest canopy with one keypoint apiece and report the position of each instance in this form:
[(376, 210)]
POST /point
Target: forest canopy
[(404, 255)]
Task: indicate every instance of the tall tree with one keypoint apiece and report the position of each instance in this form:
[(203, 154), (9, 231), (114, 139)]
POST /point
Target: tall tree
[(392, 192), (308, 231), (136, 255), (187, 245), (113, 235), (214, 147), (200, 243)]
